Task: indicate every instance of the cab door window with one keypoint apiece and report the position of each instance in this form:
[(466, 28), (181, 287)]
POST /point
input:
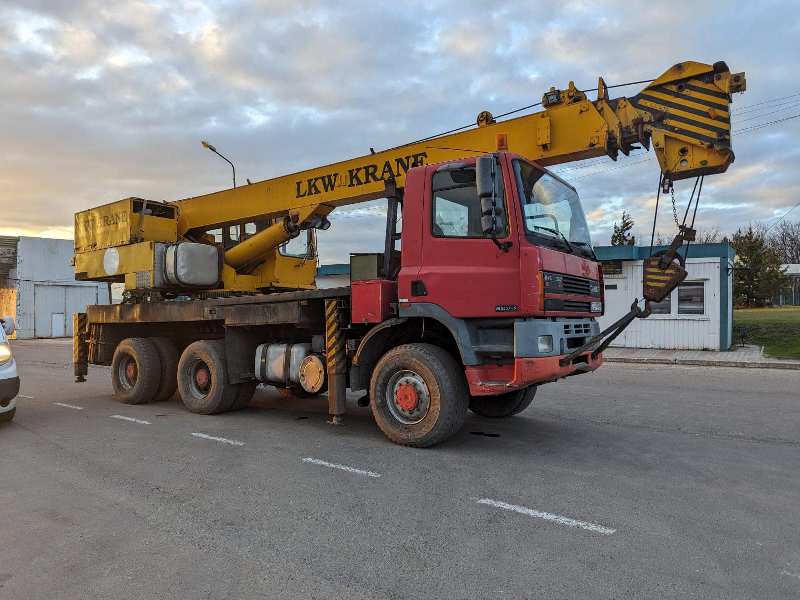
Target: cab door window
[(456, 206)]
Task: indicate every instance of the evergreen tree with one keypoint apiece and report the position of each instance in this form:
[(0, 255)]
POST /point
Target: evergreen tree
[(622, 231), (758, 275)]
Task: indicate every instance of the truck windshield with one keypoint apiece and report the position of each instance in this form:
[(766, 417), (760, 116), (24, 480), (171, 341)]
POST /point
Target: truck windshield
[(552, 211)]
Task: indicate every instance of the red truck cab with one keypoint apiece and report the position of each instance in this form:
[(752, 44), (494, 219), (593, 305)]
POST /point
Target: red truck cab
[(515, 300)]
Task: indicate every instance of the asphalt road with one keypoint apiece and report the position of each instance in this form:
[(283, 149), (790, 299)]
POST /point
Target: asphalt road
[(633, 482)]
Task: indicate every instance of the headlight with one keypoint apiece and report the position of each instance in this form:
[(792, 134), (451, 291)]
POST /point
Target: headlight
[(596, 307), (5, 353), (545, 343), (553, 282), (594, 288)]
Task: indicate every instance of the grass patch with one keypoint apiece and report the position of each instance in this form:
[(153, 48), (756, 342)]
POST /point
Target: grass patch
[(777, 329)]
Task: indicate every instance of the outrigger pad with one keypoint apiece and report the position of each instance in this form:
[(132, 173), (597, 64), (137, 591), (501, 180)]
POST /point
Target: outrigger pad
[(658, 282)]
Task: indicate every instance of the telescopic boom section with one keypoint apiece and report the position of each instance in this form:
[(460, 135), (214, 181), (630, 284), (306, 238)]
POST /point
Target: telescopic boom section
[(684, 114)]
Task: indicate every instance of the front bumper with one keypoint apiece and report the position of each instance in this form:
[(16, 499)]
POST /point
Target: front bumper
[(491, 380), (9, 388)]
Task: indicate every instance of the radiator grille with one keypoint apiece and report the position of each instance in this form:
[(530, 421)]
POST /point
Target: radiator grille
[(577, 285)]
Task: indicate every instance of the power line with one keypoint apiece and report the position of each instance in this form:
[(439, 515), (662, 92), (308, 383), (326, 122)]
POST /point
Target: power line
[(762, 125), (747, 107), (512, 112), (759, 115), (625, 165), (782, 218), (612, 169), (601, 160)]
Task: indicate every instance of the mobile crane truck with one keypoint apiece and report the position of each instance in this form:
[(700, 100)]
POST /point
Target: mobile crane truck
[(493, 290)]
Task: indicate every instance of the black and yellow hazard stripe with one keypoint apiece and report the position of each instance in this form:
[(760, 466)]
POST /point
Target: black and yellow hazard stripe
[(80, 347), (334, 339), (696, 109)]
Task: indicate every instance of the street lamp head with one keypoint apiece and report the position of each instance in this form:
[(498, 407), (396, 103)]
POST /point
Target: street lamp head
[(225, 158)]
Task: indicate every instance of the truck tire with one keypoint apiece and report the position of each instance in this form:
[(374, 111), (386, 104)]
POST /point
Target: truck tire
[(7, 416), (135, 371), (203, 378), (244, 395), (504, 405), (419, 395), (168, 354)]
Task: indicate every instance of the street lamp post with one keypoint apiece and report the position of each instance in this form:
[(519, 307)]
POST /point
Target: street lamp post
[(214, 150)]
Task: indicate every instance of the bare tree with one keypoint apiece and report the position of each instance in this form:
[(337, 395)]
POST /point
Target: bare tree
[(785, 240), (708, 236)]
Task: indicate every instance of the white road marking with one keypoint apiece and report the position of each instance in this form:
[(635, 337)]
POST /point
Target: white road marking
[(323, 463), (28, 397), (785, 572), (205, 436), (561, 520), (131, 419), (72, 406)]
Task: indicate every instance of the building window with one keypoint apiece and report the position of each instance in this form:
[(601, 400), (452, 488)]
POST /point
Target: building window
[(662, 308), (612, 267), (691, 298)]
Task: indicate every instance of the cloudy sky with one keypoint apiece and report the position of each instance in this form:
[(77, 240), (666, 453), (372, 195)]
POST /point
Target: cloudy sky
[(103, 100)]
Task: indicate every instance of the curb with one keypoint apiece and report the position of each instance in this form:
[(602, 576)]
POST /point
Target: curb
[(706, 363)]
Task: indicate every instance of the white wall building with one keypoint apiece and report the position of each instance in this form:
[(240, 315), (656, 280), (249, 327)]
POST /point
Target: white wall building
[(38, 287), (698, 315)]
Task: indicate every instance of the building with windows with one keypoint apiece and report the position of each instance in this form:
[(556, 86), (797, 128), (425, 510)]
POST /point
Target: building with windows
[(789, 295), (698, 315)]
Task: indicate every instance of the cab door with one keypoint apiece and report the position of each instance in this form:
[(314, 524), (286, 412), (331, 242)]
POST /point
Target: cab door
[(463, 270)]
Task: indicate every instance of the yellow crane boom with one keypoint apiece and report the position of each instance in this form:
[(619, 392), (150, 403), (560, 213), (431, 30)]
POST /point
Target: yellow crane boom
[(683, 114)]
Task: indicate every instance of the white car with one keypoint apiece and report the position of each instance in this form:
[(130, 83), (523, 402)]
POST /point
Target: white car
[(9, 380)]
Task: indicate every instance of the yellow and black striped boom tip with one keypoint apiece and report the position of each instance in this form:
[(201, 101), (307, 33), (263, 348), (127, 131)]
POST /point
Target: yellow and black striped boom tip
[(686, 112)]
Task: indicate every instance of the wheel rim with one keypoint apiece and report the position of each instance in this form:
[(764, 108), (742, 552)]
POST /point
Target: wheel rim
[(408, 397), (200, 379), (128, 373)]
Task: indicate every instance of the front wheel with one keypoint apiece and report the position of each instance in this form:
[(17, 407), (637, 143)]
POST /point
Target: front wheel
[(504, 405), (419, 395)]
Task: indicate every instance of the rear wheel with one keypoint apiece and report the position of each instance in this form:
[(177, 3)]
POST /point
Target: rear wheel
[(419, 395), (7, 416), (203, 378), (505, 405), (168, 354), (135, 371)]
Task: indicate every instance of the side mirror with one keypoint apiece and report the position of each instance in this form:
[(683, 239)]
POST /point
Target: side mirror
[(487, 179), (8, 325)]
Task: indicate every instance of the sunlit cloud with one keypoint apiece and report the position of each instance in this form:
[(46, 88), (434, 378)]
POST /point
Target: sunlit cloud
[(108, 100)]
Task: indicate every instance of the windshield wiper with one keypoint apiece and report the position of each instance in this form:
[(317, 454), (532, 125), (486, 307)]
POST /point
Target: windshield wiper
[(558, 233)]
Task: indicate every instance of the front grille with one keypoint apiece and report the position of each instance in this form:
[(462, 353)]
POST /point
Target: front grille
[(577, 285), (561, 283), (568, 305)]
